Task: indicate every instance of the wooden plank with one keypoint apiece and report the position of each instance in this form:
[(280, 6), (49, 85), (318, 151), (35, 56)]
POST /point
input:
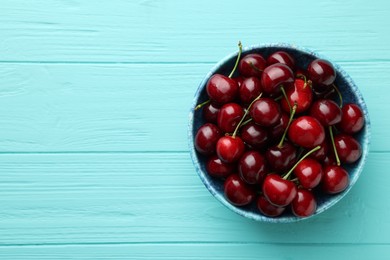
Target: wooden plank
[(62, 199), (172, 31), (127, 107)]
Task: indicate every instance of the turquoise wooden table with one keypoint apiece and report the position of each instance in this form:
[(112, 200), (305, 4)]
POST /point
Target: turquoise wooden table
[(94, 102)]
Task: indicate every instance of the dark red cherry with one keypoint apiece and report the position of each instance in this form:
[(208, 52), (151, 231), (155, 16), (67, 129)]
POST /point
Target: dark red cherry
[(348, 149), (229, 116), (281, 57), (278, 191), (326, 111), (206, 138), (352, 119), (230, 149), (239, 80), (252, 167), (321, 72), (254, 135), (210, 113), (304, 204), (237, 192), (306, 131), (309, 173), (274, 76), (265, 112), (320, 154), (335, 179), (219, 169), (267, 209), (221, 89), (276, 131), (249, 90), (251, 65), (299, 93), (281, 158)]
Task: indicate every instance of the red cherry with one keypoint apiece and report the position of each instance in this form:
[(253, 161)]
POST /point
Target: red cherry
[(281, 158), (348, 149), (352, 120), (299, 93), (249, 90), (277, 130), (278, 191), (320, 154), (251, 65), (335, 179), (254, 135), (230, 149), (274, 76), (237, 192), (221, 89), (281, 57), (267, 209), (219, 169), (304, 204), (306, 132), (252, 167), (309, 173), (206, 138), (265, 112), (229, 116), (326, 111), (321, 72), (210, 113)]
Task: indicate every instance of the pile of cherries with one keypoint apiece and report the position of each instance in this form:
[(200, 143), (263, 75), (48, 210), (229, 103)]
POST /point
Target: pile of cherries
[(276, 135)]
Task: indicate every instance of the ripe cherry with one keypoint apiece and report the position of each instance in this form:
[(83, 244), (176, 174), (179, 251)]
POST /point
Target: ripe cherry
[(265, 112), (306, 132), (210, 112), (352, 120), (278, 191), (335, 179), (219, 169), (348, 149), (252, 65), (326, 111), (221, 89), (229, 116), (274, 76), (321, 72), (252, 167), (230, 149), (281, 57), (281, 158), (206, 138), (267, 209), (309, 173), (254, 136), (299, 93), (237, 192), (304, 204), (249, 90)]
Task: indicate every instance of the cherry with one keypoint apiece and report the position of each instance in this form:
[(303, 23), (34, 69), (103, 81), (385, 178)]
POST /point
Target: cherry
[(277, 130), (278, 191), (267, 209), (335, 179), (249, 90), (326, 111), (254, 135), (281, 57), (352, 119), (281, 158), (206, 138), (309, 173), (265, 112), (348, 149), (237, 192), (274, 76), (320, 154), (252, 167), (229, 116), (304, 204), (321, 72), (210, 113), (252, 65), (230, 149), (219, 169), (299, 93), (306, 132)]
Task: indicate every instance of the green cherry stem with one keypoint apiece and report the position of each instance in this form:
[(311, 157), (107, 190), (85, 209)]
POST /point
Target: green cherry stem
[(339, 94), (237, 60), (294, 109), (246, 121), (285, 96), (287, 175), (334, 146), (202, 104), (246, 113), (255, 68)]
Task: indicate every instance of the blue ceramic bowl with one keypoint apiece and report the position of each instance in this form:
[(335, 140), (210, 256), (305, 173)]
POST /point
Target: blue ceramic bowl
[(303, 57)]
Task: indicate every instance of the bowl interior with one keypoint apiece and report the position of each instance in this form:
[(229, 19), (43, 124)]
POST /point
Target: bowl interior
[(303, 57)]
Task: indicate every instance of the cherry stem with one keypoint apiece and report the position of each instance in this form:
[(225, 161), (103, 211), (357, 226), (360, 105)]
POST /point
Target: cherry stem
[(334, 146), (202, 104), (292, 113), (285, 96), (246, 122), (254, 67), (338, 93), (287, 175), (246, 113), (237, 60)]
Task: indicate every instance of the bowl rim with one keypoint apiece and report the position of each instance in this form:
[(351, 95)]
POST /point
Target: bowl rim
[(257, 216)]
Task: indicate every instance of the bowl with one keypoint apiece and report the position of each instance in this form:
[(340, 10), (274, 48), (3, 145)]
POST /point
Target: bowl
[(303, 57)]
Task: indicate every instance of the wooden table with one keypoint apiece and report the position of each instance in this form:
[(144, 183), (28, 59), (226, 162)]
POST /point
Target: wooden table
[(94, 102)]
